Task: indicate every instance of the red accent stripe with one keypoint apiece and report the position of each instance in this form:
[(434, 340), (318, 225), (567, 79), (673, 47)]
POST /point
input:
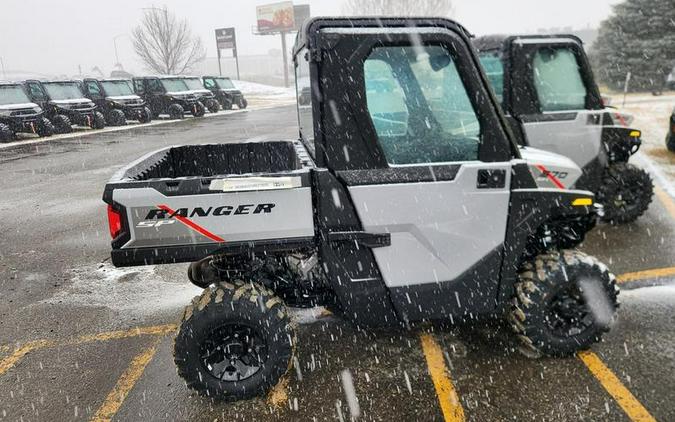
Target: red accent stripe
[(621, 119), (550, 176), (194, 226)]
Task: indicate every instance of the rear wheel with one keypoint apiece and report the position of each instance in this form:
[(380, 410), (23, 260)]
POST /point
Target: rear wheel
[(235, 341), (116, 118), (45, 128), (564, 302), (62, 124), (176, 111), (6, 133), (625, 194), (226, 104), (670, 142), (198, 109)]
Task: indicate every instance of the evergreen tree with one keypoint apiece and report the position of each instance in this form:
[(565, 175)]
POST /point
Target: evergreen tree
[(639, 38)]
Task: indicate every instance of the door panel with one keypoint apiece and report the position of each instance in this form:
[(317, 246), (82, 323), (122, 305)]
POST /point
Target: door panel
[(439, 230)]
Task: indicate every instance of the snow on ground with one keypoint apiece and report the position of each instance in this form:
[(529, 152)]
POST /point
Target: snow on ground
[(256, 89), (652, 114)]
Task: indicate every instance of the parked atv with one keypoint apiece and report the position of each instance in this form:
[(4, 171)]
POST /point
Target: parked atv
[(168, 95), (65, 105), (117, 101), (206, 97), (19, 114), (406, 203), (670, 138), (546, 86), (225, 92)]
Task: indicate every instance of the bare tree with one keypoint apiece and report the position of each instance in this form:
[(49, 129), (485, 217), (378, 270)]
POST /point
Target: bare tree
[(426, 8), (165, 44)]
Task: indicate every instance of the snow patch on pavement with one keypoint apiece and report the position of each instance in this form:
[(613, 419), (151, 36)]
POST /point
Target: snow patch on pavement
[(256, 89), (132, 292)]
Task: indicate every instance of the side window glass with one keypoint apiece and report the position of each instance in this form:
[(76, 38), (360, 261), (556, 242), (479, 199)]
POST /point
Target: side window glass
[(494, 70), (557, 80), (138, 86), (155, 86), (35, 92), (93, 89), (304, 99), (209, 83), (419, 106)]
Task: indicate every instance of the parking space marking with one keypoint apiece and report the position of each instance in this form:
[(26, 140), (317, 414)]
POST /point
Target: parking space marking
[(23, 350), (646, 274), (440, 375), (125, 383), (666, 200), (633, 408)]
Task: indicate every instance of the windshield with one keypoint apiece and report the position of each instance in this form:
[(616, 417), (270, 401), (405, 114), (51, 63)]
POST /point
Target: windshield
[(225, 83), (63, 90), (174, 85), (193, 83), (117, 88), (12, 94)]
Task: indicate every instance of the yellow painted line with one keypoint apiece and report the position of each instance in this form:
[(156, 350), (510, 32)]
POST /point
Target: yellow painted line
[(440, 375), (633, 408), (666, 200), (22, 351), (646, 274), (125, 383)]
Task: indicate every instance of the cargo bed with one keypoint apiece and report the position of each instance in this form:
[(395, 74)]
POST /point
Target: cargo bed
[(182, 203)]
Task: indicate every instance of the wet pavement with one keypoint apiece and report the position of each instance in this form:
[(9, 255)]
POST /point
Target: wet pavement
[(82, 340)]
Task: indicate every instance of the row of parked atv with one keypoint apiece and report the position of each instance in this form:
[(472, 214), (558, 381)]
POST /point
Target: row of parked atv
[(48, 107)]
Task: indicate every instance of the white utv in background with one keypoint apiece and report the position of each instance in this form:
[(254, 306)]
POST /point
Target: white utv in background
[(546, 87), (406, 199)]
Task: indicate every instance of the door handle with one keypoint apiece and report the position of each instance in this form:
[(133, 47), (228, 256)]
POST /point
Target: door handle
[(491, 179)]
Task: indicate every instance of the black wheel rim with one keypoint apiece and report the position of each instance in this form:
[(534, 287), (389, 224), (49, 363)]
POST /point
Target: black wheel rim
[(569, 314), (233, 352)]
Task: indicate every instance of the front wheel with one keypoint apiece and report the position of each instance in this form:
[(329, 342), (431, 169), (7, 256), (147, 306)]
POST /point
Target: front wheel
[(625, 194), (116, 117), (6, 133), (45, 128), (99, 120), (198, 109), (213, 106), (242, 103), (176, 111), (564, 302), (235, 342), (145, 115), (670, 141), (62, 124)]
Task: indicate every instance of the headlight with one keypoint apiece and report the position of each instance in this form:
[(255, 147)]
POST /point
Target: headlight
[(37, 110), (6, 113)]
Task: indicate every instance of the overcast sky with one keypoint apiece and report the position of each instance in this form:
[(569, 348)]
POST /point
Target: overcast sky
[(54, 37)]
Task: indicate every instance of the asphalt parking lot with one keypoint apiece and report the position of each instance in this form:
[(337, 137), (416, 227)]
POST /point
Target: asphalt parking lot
[(82, 340)]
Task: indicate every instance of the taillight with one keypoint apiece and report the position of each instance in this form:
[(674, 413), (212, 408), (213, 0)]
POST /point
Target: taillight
[(114, 221)]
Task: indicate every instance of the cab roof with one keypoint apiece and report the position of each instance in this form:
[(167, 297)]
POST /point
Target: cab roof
[(501, 41)]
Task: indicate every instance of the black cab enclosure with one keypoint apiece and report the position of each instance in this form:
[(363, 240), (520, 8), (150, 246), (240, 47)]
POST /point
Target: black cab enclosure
[(19, 114), (225, 91), (116, 99), (168, 95)]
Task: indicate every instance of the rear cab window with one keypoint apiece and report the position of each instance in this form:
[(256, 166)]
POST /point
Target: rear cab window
[(494, 70)]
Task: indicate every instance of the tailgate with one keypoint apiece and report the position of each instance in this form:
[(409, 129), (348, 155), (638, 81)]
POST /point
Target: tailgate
[(162, 223)]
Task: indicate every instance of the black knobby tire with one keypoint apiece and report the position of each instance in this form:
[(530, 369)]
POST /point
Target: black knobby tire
[(176, 111), (625, 194), (6, 133), (45, 128), (550, 311), (242, 103), (205, 336), (198, 109), (99, 120), (212, 105), (226, 104), (145, 116), (116, 117), (62, 124), (670, 142)]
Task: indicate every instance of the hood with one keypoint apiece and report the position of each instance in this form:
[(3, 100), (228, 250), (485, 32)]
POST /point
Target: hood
[(123, 97), (231, 90), (551, 170), (201, 91), (17, 106), (180, 93), (74, 101)]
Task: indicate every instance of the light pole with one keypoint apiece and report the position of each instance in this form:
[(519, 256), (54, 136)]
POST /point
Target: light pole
[(2, 65), (117, 57)]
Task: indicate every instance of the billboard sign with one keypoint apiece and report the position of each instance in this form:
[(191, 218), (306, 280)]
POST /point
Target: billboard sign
[(226, 39), (276, 17)]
